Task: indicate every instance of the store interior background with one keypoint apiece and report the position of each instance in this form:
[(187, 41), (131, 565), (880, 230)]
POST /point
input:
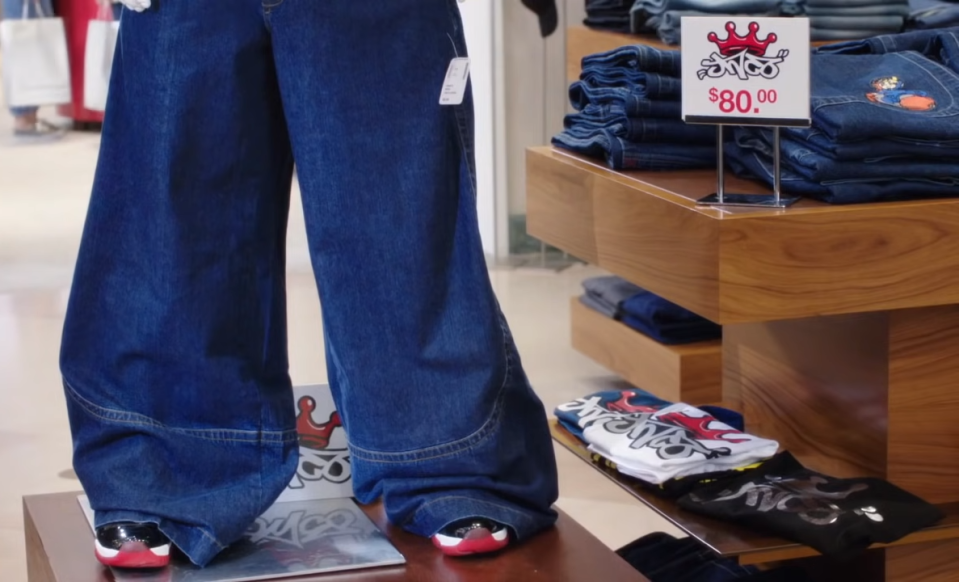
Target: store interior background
[(519, 88)]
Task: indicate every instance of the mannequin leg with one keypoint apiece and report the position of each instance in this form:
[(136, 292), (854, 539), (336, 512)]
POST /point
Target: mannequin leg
[(441, 418), (174, 350)]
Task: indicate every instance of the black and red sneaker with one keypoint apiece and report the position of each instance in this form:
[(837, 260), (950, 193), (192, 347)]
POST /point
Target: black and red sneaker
[(474, 535), (132, 545)]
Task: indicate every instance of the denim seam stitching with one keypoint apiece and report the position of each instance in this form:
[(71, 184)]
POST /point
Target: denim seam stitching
[(455, 447), (216, 435)]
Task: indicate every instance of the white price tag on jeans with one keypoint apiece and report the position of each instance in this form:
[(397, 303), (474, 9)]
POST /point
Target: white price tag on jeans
[(454, 86), (746, 70)]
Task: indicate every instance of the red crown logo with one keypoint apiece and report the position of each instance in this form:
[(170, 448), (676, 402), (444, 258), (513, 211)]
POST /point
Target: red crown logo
[(735, 44), (311, 434)]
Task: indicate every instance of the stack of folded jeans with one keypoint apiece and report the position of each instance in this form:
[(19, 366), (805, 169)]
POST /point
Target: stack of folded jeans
[(933, 14), (610, 15), (646, 312), (655, 441), (663, 17), (850, 19), (628, 104), (885, 124)]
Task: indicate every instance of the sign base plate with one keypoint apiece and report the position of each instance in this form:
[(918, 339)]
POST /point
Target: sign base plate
[(749, 200)]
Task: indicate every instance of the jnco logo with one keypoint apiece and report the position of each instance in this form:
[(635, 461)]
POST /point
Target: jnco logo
[(742, 56)]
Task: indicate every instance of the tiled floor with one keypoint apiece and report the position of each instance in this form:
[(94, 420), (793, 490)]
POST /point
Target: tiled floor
[(43, 195)]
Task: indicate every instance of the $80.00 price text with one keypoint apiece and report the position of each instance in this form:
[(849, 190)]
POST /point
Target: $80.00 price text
[(743, 101)]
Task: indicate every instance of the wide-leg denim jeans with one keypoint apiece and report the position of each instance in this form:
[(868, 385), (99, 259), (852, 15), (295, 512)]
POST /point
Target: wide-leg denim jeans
[(174, 351)]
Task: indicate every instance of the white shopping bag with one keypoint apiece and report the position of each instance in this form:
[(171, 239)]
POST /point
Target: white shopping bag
[(36, 70), (98, 58)]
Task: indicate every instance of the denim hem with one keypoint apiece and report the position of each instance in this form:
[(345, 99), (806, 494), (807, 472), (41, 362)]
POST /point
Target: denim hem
[(437, 513), (213, 434), (195, 542)]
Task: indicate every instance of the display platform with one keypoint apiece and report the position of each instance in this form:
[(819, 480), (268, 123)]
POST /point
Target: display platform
[(295, 538), (60, 549)]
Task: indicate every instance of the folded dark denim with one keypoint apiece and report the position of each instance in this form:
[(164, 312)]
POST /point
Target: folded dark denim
[(817, 167), (939, 16), (624, 155), (872, 150), (642, 130), (634, 102), (645, 108), (748, 163), (657, 310), (676, 334), (890, 22), (905, 94), (638, 58), (887, 43), (611, 289), (827, 34), (901, 9), (599, 305), (651, 85), (665, 321), (712, 7)]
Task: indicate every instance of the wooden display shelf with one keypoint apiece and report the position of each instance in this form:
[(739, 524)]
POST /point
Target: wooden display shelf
[(840, 323), (744, 265), (60, 549), (689, 373), (730, 540)]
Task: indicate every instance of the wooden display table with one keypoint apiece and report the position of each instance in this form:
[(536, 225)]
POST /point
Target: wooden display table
[(60, 549), (688, 373), (841, 323)]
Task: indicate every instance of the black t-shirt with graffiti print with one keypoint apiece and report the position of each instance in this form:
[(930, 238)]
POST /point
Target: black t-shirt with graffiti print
[(837, 517)]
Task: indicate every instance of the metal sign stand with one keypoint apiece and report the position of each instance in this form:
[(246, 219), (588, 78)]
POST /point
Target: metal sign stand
[(721, 198)]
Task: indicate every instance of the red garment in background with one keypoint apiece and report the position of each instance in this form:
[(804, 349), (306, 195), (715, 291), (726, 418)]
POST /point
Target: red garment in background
[(77, 15)]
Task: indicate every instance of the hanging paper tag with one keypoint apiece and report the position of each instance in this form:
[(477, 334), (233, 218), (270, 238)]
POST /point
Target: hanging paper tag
[(454, 86)]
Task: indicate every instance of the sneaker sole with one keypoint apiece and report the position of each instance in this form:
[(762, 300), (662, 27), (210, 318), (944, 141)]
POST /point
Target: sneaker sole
[(488, 544), (146, 558)]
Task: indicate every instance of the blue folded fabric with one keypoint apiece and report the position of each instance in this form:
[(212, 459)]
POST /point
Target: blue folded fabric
[(666, 322), (600, 305)]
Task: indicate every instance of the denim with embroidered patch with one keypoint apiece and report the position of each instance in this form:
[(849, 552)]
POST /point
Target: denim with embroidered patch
[(848, 106), (174, 352)]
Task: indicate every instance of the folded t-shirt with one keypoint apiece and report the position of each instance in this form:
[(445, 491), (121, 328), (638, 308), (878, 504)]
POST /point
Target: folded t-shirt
[(611, 406), (837, 517), (676, 441)]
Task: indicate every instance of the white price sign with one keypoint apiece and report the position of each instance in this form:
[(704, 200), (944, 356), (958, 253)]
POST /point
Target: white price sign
[(746, 70)]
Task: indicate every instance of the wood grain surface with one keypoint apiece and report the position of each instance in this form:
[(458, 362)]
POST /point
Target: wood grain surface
[(744, 265), (924, 402), (690, 373), (818, 386), (60, 549)]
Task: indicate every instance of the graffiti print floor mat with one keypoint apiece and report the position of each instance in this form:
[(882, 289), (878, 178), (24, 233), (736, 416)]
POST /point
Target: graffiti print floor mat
[(295, 538)]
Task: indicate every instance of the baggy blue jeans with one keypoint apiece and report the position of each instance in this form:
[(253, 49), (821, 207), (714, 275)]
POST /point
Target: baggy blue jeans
[(174, 352)]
